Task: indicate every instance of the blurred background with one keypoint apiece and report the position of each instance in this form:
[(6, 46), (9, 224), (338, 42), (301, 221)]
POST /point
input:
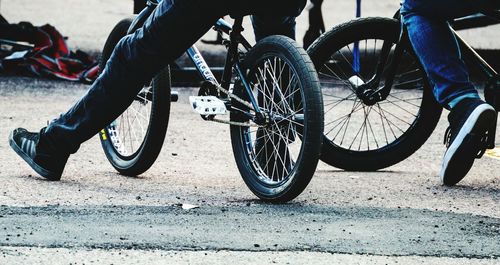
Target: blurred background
[(87, 23)]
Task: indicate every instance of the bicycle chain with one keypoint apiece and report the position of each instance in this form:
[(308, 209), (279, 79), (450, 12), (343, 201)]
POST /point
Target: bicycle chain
[(231, 95), (243, 124)]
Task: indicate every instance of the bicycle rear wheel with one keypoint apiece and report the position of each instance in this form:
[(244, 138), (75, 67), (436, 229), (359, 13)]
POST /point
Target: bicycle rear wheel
[(278, 159), (370, 137), (134, 140)]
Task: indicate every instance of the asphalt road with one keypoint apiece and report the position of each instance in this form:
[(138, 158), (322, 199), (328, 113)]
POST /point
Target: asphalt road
[(258, 227), (398, 215)]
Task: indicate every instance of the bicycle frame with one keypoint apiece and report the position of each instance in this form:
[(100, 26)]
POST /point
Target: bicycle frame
[(232, 58)]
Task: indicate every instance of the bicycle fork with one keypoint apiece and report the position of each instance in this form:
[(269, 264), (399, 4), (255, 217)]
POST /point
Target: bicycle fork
[(371, 92)]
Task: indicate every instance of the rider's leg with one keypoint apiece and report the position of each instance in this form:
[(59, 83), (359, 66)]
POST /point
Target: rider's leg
[(447, 9), (173, 27), (316, 23), (139, 5), (437, 48), (264, 26), (275, 17)]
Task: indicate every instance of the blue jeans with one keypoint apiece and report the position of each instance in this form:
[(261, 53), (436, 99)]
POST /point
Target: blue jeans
[(437, 48), (172, 28)]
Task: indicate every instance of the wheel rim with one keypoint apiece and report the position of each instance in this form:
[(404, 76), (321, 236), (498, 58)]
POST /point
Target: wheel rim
[(128, 131), (351, 124), (272, 150)]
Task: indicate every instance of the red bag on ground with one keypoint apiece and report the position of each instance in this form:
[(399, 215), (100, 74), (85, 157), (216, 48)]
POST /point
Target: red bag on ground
[(43, 52)]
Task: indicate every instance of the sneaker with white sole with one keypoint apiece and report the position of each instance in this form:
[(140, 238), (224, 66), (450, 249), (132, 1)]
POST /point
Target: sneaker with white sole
[(27, 146), (465, 138)]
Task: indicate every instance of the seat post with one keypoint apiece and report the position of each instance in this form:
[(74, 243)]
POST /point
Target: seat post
[(232, 52), (238, 25), (235, 35)]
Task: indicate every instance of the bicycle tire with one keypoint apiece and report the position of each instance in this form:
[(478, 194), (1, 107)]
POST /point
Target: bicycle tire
[(287, 181), (335, 152), (135, 162)]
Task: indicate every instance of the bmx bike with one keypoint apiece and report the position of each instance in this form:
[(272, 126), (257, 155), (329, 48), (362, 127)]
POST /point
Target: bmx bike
[(271, 92), (379, 106)]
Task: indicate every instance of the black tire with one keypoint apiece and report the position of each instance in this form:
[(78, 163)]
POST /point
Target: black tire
[(153, 100), (296, 144), (330, 54)]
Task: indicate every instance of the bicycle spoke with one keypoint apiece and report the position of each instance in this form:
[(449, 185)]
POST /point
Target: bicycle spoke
[(272, 149), (407, 101), (390, 122), (350, 123), (131, 127)]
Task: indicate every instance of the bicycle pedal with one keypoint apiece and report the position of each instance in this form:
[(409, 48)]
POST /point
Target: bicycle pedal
[(207, 105)]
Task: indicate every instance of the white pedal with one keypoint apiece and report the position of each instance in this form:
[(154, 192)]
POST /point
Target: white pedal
[(207, 105)]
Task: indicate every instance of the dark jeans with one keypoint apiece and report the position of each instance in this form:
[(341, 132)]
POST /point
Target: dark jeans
[(167, 34), (264, 26), (437, 48)]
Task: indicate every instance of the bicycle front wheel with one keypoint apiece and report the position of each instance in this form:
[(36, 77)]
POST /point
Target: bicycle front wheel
[(278, 157), (134, 140), (368, 137)]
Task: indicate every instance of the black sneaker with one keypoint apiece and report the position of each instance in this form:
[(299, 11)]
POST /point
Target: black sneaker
[(26, 145), (465, 138)]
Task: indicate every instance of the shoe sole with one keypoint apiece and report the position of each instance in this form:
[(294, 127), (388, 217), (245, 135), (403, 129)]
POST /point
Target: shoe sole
[(38, 169), (461, 154)]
